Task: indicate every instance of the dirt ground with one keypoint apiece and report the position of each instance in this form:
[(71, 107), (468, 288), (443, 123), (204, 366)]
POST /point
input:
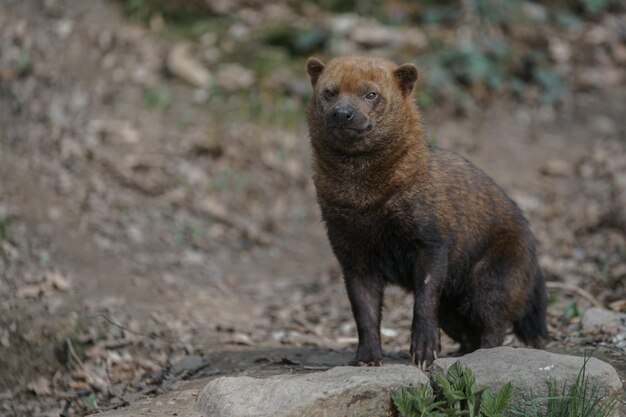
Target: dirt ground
[(138, 244)]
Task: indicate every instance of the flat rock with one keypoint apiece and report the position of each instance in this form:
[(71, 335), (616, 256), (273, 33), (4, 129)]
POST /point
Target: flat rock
[(530, 370), (180, 403), (338, 392)]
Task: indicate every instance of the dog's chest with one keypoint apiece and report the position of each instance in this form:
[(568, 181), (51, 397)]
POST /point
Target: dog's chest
[(383, 243)]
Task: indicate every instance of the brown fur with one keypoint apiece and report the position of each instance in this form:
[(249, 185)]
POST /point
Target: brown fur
[(400, 211)]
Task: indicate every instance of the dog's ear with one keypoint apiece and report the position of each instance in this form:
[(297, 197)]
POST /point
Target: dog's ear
[(406, 74), (314, 67)]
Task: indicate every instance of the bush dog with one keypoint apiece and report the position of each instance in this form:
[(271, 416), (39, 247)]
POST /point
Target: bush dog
[(400, 211)]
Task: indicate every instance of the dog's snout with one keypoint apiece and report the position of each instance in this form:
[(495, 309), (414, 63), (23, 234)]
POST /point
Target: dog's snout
[(340, 115)]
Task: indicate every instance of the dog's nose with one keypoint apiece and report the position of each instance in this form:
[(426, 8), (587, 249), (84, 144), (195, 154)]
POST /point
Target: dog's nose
[(340, 115)]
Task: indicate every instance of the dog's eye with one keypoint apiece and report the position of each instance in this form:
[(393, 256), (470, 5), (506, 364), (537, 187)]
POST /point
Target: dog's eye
[(328, 93), (371, 96)]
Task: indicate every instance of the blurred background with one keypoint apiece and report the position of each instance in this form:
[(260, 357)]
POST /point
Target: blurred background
[(156, 207)]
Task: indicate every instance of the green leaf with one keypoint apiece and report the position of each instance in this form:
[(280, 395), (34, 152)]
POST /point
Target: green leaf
[(487, 406), (571, 310), (457, 396), (91, 402), (403, 400), (503, 397), (455, 371)]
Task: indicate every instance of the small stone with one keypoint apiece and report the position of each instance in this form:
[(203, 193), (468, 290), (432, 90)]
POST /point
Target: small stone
[(338, 392), (561, 50), (211, 55), (135, 234), (241, 339), (200, 95), (192, 257), (528, 203), (55, 213), (386, 332), (372, 36), (347, 340), (64, 28), (604, 125), (5, 338), (534, 11), (221, 7), (187, 364), (239, 32), (342, 24), (181, 63), (555, 168), (234, 77), (105, 40), (601, 321)]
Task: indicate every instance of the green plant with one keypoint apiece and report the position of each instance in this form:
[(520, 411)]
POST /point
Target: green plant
[(571, 310), (170, 9), (297, 39), (157, 98), (595, 7), (91, 402), (456, 395), (25, 66), (417, 402), (4, 233), (581, 399)]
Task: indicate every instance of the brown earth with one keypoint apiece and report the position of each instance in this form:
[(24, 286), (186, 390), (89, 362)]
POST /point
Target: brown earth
[(138, 243)]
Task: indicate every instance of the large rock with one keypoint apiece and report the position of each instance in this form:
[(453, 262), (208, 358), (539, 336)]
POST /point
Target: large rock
[(339, 392), (530, 371)]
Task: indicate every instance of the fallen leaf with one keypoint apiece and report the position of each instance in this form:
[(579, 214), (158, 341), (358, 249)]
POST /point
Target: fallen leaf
[(78, 385), (30, 291), (96, 352), (41, 386), (619, 305), (58, 281)]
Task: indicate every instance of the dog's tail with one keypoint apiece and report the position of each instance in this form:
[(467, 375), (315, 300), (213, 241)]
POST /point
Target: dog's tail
[(531, 327)]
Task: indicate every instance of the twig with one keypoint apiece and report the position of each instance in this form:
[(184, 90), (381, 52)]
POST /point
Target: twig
[(119, 326), (553, 285), (246, 228), (119, 343), (114, 393), (73, 354), (307, 325)]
